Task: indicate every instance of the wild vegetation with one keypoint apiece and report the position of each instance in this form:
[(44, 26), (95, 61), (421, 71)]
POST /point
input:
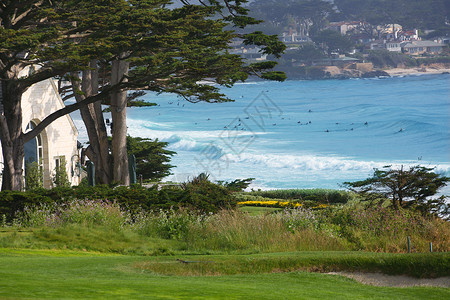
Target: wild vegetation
[(77, 224), (202, 216)]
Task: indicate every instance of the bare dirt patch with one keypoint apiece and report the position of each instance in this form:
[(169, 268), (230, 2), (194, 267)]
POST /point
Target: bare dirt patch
[(378, 279)]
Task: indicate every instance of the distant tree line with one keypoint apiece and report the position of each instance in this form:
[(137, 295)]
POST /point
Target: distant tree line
[(314, 14)]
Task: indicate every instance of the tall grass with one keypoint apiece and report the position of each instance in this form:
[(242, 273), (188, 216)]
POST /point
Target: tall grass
[(234, 230), (88, 213), (383, 229), (107, 227)]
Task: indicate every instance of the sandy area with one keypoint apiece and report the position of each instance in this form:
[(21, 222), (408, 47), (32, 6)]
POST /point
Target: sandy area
[(416, 71), (379, 279)]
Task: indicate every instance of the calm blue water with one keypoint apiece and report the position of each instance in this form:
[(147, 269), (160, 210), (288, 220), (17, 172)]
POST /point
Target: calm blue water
[(304, 134)]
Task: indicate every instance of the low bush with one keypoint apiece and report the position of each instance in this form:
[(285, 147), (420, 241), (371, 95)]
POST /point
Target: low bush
[(203, 196)]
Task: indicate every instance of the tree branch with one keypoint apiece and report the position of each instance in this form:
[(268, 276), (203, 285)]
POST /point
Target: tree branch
[(70, 108)]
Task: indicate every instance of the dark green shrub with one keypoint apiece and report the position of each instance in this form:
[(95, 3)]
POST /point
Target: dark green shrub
[(201, 195), (13, 201), (60, 177), (33, 175), (207, 196)]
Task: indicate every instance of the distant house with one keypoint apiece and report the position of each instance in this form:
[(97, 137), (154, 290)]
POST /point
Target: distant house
[(339, 61), (344, 27), (250, 53), (293, 37), (408, 35), (57, 141), (377, 45), (443, 40), (362, 38), (421, 47), (389, 29), (393, 46)]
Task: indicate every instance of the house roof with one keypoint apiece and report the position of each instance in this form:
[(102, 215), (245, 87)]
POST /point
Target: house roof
[(422, 44)]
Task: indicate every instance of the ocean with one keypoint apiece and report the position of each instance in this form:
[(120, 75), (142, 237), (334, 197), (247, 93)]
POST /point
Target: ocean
[(302, 134)]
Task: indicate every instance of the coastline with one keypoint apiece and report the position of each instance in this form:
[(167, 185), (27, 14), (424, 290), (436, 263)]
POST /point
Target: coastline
[(333, 72), (416, 71)]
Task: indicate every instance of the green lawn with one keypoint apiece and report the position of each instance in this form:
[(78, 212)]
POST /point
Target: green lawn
[(259, 210), (46, 274)]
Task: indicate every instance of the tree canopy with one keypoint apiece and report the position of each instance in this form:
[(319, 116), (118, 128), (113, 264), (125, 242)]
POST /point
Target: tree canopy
[(154, 46), (333, 41), (405, 187), (302, 15), (152, 159), (431, 14)]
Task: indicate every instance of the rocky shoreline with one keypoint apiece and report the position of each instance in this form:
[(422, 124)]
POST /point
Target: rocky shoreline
[(333, 72)]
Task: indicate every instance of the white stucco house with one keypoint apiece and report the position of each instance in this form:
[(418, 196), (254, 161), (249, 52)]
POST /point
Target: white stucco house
[(421, 47), (57, 141)]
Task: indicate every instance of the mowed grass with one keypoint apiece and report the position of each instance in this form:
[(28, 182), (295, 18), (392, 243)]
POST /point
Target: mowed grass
[(258, 210), (49, 274)]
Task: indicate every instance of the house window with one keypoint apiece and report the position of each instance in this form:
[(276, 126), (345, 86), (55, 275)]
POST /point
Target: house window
[(34, 150), (34, 153), (58, 161)]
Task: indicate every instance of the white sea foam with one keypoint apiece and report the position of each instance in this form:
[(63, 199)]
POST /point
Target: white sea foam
[(304, 156), (304, 162), (320, 163)]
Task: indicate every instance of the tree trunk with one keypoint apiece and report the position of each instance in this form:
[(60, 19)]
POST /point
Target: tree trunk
[(119, 121), (95, 125), (11, 135)]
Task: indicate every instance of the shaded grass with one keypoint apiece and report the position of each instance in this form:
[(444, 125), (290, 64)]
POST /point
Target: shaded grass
[(100, 239), (56, 275), (416, 265)]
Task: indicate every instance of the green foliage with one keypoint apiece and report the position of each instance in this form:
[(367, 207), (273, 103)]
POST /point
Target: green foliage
[(237, 185), (15, 201), (206, 196), (275, 75), (34, 175), (152, 159), (385, 58), (169, 48), (324, 196), (173, 224), (132, 102), (199, 194), (293, 13), (333, 40), (385, 229), (259, 201), (405, 188), (335, 228), (60, 178), (409, 13), (88, 213), (442, 31), (433, 60), (307, 53)]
